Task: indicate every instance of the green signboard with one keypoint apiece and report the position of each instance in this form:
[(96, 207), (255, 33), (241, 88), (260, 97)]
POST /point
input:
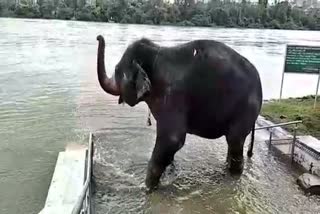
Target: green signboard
[(302, 59)]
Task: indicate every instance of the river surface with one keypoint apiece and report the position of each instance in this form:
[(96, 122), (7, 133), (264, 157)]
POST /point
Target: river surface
[(50, 97)]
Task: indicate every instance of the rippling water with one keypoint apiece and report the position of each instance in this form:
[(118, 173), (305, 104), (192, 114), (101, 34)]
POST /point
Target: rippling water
[(198, 182), (49, 97)]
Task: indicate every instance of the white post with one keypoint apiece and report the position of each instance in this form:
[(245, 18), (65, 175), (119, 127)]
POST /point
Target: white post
[(281, 87), (315, 99), (284, 66)]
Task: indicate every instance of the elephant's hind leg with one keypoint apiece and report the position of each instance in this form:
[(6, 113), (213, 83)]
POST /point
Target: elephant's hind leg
[(236, 137), (235, 154)]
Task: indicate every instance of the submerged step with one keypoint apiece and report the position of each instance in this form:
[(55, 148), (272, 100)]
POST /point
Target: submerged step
[(67, 181), (309, 183)]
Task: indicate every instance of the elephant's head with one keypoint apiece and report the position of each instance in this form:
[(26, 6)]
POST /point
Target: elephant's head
[(131, 78)]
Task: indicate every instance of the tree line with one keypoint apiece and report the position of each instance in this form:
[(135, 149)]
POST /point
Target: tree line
[(281, 15)]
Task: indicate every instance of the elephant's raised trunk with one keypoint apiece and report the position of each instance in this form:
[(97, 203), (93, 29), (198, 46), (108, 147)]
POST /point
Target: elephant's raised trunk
[(109, 85)]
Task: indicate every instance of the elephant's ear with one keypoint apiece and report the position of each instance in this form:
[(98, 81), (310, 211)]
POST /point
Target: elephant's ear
[(143, 84)]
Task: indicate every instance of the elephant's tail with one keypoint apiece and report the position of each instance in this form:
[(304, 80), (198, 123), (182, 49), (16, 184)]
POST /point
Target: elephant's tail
[(149, 118), (250, 153)]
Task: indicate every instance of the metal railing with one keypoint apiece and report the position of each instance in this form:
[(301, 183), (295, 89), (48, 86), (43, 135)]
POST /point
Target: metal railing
[(279, 125), (83, 204), (294, 139)]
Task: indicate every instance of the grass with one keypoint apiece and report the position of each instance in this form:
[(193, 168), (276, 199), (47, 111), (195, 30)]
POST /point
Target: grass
[(295, 109)]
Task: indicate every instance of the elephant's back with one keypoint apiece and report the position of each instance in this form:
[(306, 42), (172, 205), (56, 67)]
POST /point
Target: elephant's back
[(206, 58), (216, 82)]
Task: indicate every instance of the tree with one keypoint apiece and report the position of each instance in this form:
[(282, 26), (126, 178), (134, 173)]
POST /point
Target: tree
[(219, 16), (87, 13), (47, 9), (173, 13), (28, 11), (117, 10), (64, 12), (136, 13)]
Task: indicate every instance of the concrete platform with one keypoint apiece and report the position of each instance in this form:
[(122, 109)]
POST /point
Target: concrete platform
[(307, 149), (67, 181)]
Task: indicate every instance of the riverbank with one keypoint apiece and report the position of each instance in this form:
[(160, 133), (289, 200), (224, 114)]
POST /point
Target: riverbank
[(295, 109), (281, 15)]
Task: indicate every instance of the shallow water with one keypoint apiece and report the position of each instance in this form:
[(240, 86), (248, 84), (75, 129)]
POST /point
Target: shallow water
[(197, 183), (49, 97)]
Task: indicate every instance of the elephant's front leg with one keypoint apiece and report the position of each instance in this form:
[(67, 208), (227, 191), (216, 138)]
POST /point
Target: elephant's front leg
[(171, 135)]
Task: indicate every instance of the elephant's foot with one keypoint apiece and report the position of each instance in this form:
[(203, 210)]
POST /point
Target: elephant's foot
[(172, 167), (153, 176), (235, 165)]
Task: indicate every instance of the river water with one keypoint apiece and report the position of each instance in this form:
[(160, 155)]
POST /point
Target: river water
[(50, 97)]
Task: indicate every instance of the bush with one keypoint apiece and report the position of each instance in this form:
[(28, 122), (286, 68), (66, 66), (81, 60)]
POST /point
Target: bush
[(28, 12), (201, 20), (87, 14), (275, 24), (65, 13), (126, 19), (82, 16), (220, 16), (7, 13), (255, 25), (149, 22), (309, 22), (185, 23), (165, 23), (290, 25), (47, 9)]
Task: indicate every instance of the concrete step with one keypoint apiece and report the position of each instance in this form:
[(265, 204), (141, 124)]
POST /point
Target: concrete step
[(67, 181)]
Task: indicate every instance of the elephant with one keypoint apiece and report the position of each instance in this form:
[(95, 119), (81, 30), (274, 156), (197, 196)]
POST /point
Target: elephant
[(201, 87)]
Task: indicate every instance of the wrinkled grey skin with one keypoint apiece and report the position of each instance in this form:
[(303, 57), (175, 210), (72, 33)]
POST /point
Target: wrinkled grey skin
[(202, 87)]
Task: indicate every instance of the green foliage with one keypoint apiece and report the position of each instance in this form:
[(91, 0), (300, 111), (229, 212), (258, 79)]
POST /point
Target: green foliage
[(290, 24), (201, 20), (275, 24), (220, 16), (185, 23), (183, 12), (6, 13), (6, 8), (28, 11), (47, 9), (117, 10), (64, 12), (88, 13), (295, 109)]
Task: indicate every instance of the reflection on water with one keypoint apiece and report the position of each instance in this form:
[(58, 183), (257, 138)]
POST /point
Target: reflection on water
[(49, 96)]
